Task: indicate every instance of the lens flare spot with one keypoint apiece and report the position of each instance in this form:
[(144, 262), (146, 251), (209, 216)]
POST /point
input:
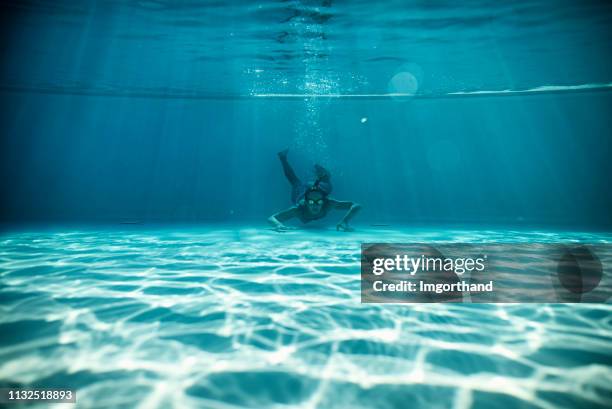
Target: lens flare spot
[(403, 84)]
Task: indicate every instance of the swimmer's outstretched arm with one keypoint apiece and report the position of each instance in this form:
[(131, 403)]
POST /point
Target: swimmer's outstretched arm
[(353, 208), (277, 219)]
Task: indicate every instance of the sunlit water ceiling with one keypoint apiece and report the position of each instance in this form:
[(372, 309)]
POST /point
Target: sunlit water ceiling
[(291, 49)]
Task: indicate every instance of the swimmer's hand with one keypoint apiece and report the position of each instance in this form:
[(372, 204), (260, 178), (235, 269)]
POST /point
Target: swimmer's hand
[(343, 226), (284, 215), (282, 228)]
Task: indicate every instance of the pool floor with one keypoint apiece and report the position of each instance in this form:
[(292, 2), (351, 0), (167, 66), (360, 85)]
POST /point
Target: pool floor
[(240, 316)]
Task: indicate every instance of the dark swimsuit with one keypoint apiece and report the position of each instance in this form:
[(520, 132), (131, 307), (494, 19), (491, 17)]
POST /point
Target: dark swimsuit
[(299, 188)]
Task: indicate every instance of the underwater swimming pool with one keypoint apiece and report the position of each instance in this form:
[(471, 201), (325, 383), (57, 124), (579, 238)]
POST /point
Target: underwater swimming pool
[(238, 316), (138, 155)]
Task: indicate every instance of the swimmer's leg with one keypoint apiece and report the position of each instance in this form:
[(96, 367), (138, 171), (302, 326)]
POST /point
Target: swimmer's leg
[(322, 173), (297, 187), (323, 179), (287, 169)]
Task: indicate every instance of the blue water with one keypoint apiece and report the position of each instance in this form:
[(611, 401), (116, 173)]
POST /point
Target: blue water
[(138, 159), (162, 110)]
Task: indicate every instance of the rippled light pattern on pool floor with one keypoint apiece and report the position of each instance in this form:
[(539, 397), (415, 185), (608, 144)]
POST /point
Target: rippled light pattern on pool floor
[(227, 317)]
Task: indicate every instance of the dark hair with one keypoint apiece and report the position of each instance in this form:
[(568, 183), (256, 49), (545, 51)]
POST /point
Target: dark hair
[(314, 188)]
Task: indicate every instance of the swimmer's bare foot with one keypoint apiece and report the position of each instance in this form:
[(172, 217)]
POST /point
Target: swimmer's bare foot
[(320, 171), (283, 154)]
